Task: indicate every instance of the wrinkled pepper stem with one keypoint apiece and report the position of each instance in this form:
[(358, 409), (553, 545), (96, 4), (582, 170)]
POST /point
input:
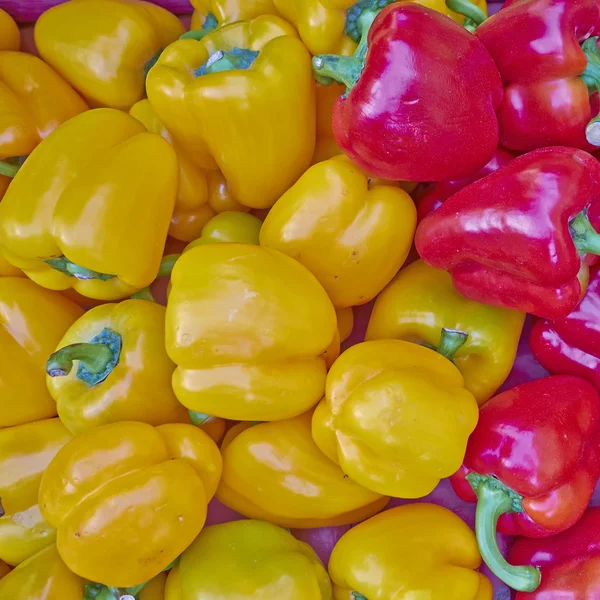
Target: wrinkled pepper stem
[(450, 342), (232, 60), (360, 17), (97, 591), (585, 237), (65, 266), (8, 169), (493, 500), (344, 69), (97, 358), (474, 16), (209, 25), (591, 77)]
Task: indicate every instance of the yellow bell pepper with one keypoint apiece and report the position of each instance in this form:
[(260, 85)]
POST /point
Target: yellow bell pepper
[(250, 560), (396, 416), (123, 373), (242, 99), (351, 234), (332, 26), (276, 473), (237, 227), (10, 36), (7, 270), (210, 14), (103, 48), (90, 208), (42, 577), (32, 321), (326, 147), (421, 301), (414, 551), (127, 499), (247, 327), (25, 451)]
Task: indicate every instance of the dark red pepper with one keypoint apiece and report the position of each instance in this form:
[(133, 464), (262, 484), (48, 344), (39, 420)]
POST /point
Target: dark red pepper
[(517, 237), (569, 561), (421, 100), (531, 465)]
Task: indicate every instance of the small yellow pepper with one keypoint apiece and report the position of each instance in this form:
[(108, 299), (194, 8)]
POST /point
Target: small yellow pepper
[(90, 207), (10, 36), (127, 499), (396, 416), (210, 14), (237, 227), (268, 563), (413, 551), (353, 235), (103, 48), (25, 451), (247, 327), (124, 373), (421, 300), (242, 99), (32, 322), (275, 472)]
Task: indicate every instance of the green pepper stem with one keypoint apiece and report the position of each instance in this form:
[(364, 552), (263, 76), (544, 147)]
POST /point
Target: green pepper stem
[(591, 77), (232, 60), (585, 237), (358, 596), (167, 264), (493, 500), (70, 269), (345, 69), (360, 17), (470, 11), (143, 294), (8, 169), (198, 418), (450, 341), (97, 591), (209, 25)]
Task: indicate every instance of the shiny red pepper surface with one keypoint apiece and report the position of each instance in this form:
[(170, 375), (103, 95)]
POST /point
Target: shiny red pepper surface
[(536, 45), (569, 561), (571, 346), (516, 238), (423, 107)]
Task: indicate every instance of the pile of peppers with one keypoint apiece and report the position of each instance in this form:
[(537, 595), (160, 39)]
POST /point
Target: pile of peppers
[(300, 300)]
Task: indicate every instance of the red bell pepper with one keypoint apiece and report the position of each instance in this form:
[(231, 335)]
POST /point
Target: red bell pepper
[(547, 53), (569, 562), (571, 346), (517, 238), (421, 100), (531, 465)]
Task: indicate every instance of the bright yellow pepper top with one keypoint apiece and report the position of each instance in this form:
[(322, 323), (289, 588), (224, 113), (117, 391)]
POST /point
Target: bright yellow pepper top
[(421, 300), (127, 498), (396, 417), (32, 321), (351, 234), (242, 99), (247, 327), (250, 560), (209, 14), (103, 47), (25, 451), (413, 551), (275, 472), (10, 36), (125, 344), (90, 208)]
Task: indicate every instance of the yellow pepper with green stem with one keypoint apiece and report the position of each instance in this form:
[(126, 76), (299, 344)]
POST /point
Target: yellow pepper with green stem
[(10, 36), (210, 14)]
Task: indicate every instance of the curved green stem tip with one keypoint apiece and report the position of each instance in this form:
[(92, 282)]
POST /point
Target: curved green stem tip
[(450, 341), (472, 13), (209, 25), (231, 60)]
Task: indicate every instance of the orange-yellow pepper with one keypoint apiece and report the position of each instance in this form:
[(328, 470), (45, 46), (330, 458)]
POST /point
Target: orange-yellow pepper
[(352, 234), (10, 36), (4, 569), (32, 321), (241, 99), (127, 498), (396, 416), (210, 14), (25, 451), (421, 300), (246, 327), (333, 26), (123, 373), (250, 560), (90, 207), (103, 48), (413, 551), (276, 473), (326, 147)]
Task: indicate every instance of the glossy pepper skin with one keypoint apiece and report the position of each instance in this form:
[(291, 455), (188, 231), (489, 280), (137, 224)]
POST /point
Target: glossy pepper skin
[(32, 322), (569, 561), (123, 373), (103, 47), (229, 227), (351, 234), (127, 498), (326, 147), (210, 14), (532, 462), (250, 110), (437, 559), (420, 131), (90, 208), (406, 456), (250, 560), (420, 301), (571, 346), (10, 36), (276, 473), (25, 451), (246, 327), (517, 238)]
